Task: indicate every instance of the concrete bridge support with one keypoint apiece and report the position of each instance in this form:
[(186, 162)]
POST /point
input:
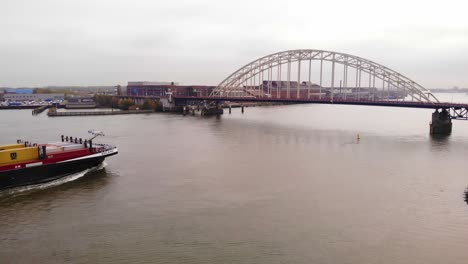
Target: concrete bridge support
[(211, 110), (169, 106), (441, 123)]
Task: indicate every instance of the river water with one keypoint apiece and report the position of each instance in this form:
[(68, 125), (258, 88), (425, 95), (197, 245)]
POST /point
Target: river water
[(279, 184)]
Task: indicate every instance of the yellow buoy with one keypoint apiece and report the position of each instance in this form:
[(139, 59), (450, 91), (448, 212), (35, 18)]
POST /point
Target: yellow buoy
[(358, 137)]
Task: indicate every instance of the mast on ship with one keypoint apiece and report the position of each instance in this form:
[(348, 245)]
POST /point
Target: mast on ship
[(95, 134)]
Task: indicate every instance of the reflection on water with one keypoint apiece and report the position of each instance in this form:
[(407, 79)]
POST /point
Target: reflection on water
[(438, 140), (466, 195)]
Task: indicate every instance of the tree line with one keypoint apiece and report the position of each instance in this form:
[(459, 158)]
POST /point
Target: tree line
[(125, 104)]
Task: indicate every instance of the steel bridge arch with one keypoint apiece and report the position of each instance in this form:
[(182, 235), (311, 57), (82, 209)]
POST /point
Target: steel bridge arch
[(235, 82)]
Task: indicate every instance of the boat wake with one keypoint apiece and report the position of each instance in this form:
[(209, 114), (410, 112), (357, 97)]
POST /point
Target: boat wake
[(69, 178)]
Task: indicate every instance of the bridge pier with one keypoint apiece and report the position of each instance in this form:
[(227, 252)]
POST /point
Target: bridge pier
[(208, 109), (441, 123), (211, 111), (170, 106)]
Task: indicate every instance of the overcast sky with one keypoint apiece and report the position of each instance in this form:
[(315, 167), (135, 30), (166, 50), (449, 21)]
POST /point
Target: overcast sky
[(108, 42)]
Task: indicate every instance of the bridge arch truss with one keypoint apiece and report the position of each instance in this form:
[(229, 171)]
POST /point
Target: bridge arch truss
[(320, 74)]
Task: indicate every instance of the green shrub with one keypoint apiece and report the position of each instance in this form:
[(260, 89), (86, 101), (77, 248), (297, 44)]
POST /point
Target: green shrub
[(124, 104)]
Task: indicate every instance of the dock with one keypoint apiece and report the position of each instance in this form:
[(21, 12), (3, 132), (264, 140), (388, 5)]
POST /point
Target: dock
[(54, 113), (40, 109)]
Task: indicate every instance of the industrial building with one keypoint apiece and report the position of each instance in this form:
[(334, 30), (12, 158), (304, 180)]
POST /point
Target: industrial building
[(22, 97), (76, 102), (161, 88), (27, 95), (279, 89)]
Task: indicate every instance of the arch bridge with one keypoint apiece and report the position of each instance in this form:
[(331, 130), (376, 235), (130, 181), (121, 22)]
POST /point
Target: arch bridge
[(327, 77), (320, 74)]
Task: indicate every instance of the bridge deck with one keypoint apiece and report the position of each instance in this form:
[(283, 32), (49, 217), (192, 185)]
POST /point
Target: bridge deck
[(391, 103)]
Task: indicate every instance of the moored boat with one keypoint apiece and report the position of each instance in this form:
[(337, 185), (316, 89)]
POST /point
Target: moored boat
[(26, 163)]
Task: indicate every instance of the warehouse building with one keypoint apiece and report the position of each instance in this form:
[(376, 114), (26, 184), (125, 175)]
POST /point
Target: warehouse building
[(22, 97), (161, 88)]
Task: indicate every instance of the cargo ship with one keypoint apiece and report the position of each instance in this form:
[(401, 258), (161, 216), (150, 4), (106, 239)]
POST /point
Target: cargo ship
[(26, 163)]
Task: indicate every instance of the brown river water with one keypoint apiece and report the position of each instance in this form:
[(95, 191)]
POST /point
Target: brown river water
[(279, 184)]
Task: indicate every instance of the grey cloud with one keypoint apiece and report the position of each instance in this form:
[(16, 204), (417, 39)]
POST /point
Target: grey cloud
[(106, 42)]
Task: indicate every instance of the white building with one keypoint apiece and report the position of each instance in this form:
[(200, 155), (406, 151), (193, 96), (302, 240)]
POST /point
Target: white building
[(33, 97)]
